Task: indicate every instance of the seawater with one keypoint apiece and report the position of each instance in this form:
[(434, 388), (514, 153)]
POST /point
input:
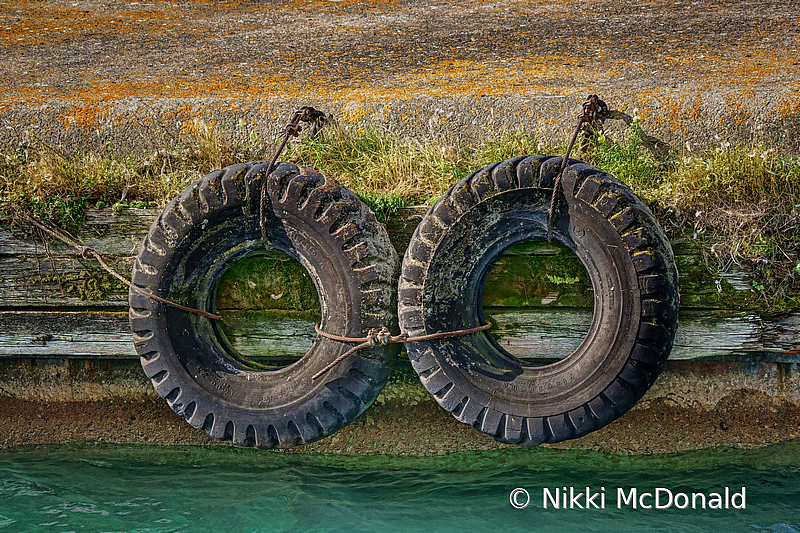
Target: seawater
[(108, 488)]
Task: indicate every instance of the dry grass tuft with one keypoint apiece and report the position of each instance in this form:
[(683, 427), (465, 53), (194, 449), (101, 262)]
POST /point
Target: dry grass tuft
[(379, 161), (742, 202)]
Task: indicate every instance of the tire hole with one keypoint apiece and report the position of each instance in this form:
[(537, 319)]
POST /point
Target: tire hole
[(250, 436), (173, 395), (314, 424), (539, 298), (294, 432), (269, 306), (149, 356), (336, 414), (272, 435), (441, 394)]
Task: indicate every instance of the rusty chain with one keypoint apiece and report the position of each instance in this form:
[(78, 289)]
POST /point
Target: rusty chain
[(593, 112), (293, 128), (590, 121)]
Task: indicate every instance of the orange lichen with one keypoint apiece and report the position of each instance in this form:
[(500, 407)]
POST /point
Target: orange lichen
[(790, 106), (363, 64)]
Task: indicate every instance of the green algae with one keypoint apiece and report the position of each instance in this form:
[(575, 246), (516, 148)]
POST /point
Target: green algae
[(272, 281), (84, 287), (404, 388), (538, 273)]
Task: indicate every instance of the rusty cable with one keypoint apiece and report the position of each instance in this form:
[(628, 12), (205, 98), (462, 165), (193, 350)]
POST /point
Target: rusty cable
[(383, 337)]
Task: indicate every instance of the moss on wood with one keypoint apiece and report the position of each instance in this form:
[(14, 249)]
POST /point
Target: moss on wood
[(269, 281), (538, 273)]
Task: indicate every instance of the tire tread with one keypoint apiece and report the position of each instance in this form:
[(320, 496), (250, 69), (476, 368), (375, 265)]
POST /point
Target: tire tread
[(657, 284)]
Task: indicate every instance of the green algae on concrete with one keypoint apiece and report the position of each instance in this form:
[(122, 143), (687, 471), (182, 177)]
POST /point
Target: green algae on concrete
[(784, 455)]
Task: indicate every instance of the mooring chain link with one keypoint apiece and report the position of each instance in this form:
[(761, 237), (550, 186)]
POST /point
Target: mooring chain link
[(383, 337), (590, 121), (593, 112), (305, 114)]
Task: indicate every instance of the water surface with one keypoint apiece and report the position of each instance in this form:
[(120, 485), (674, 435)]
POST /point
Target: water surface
[(105, 488)]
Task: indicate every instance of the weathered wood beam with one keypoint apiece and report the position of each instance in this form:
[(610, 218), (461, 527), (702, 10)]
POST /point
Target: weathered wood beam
[(538, 335), (56, 334), (57, 304)]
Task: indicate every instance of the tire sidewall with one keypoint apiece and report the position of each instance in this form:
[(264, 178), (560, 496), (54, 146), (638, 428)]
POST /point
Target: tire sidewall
[(211, 225)]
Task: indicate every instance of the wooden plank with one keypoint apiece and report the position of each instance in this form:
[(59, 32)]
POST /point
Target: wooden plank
[(256, 337), (540, 333), (546, 334), (110, 232), (106, 334), (27, 284), (30, 277), (401, 226), (68, 280), (782, 334), (65, 334), (118, 236), (535, 334)]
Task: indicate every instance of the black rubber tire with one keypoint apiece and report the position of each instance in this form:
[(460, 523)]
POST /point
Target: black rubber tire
[(214, 222), (633, 274)]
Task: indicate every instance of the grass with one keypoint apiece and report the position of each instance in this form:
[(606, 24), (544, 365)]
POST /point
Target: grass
[(60, 185), (742, 203), (393, 169)]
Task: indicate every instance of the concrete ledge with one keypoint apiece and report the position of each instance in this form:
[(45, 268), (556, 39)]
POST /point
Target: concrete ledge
[(692, 406), (136, 75), (683, 384)]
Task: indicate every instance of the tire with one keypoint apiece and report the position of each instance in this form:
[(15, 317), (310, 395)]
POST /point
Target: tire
[(633, 275), (214, 222)]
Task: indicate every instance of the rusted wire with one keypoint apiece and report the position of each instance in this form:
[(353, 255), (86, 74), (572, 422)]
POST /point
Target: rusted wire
[(383, 337), (88, 252)]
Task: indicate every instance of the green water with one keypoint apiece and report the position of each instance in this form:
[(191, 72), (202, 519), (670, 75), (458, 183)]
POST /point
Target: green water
[(106, 488)]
